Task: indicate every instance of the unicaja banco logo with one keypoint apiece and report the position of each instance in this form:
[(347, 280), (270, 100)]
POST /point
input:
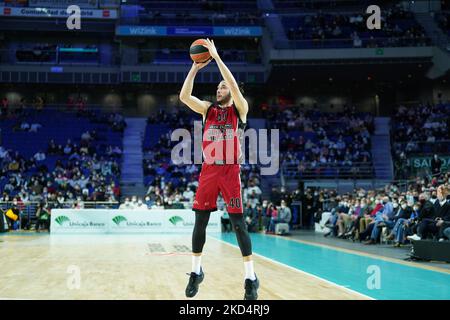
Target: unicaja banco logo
[(61, 220), (175, 219), (119, 219)]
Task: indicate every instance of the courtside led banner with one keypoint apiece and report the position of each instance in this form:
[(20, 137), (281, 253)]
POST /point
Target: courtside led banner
[(152, 31), (56, 13), (128, 221)]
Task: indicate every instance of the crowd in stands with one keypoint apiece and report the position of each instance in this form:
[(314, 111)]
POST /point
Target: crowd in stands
[(398, 29), (85, 168), (420, 212), (37, 103), (421, 130), (312, 141)]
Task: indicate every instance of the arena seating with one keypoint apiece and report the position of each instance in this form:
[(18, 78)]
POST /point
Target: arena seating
[(324, 145), (60, 127), (346, 30)]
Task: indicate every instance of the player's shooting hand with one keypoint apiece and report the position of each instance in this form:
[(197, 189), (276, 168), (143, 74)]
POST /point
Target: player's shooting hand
[(200, 65), (212, 48)]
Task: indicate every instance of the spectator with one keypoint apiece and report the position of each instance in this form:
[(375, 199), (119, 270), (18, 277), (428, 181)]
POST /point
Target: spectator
[(188, 195), (271, 213), (43, 217), (436, 165), (25, 126), (251, 217), (158, 204), (344, 217), (284, 216), (225, 222), (35, 127), (432, 223), (404, 218), (126, 205), (384, 218), (39, 156), (367, 224), (140, 205)]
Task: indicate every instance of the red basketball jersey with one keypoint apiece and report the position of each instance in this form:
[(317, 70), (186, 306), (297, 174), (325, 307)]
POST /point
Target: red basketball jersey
[(222, 134)]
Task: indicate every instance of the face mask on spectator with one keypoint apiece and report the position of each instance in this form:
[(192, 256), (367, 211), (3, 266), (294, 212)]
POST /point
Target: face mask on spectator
[(416, 208), (377, 201), (404, 206), (395, 205)]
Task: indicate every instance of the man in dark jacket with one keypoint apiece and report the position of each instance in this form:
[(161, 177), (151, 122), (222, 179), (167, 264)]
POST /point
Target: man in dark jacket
[(443, 220), (429, 223), (436, 165)]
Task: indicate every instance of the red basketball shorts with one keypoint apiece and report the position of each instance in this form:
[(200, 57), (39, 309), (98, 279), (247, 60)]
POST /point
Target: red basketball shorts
[(225, 179)]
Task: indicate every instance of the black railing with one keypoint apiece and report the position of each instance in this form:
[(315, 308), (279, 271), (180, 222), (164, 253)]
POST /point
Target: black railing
[(355, 170)]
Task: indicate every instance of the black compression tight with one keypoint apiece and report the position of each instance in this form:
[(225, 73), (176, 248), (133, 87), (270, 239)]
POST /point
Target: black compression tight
[(199, 233), (239, 227)]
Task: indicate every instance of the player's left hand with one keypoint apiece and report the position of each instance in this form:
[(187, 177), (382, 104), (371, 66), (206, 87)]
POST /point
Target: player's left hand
[(212, 48)]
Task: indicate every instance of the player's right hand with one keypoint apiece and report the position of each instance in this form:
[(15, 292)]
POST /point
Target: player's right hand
[(200, 65)]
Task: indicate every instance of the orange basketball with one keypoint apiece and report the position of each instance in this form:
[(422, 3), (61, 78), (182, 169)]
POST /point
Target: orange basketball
[(198, 52)]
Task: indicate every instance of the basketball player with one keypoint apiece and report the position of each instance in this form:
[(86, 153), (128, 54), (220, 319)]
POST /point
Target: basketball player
[(223, 121)]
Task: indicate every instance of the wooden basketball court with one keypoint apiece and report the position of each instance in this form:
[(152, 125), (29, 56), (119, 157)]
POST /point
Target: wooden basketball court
[(152, 267)]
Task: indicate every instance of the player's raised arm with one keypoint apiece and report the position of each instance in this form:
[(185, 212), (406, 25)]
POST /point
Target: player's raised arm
[(186, 91), (238, 98)]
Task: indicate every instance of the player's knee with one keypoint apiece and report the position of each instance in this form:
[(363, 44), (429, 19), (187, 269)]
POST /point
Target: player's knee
[(239, 226)]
